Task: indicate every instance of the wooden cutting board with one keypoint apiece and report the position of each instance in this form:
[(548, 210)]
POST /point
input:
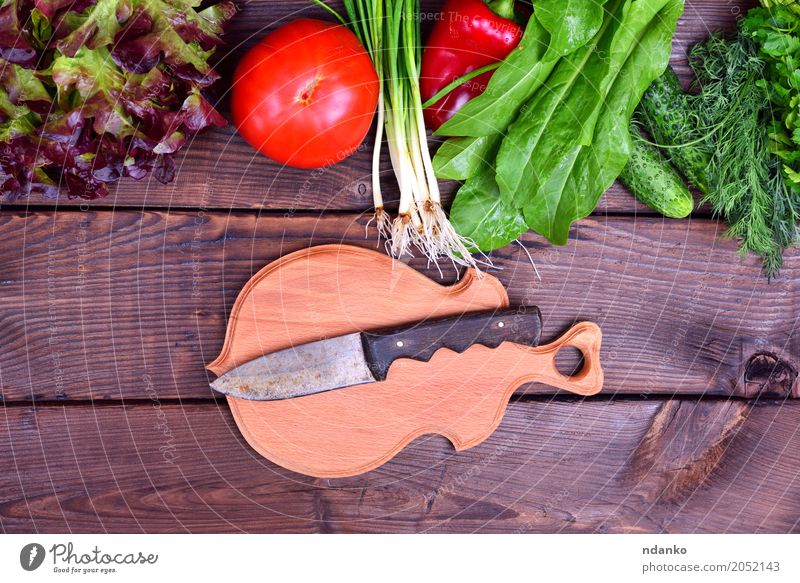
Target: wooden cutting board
[(332, 290)]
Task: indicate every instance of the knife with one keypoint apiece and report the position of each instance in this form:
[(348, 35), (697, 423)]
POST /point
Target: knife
[(366, 357)]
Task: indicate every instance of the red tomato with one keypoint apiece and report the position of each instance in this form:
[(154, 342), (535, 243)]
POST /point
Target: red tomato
[(305, 94)]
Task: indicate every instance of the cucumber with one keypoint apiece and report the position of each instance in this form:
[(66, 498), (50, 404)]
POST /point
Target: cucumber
[(653, 180), (666, 114)]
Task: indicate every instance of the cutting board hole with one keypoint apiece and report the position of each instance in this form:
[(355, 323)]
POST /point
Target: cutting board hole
[(569, 361)]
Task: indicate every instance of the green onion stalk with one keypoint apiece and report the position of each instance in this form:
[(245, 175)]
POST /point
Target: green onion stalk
[(390, 33)]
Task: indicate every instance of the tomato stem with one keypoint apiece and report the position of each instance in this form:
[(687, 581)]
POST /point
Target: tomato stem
[(308, 92)]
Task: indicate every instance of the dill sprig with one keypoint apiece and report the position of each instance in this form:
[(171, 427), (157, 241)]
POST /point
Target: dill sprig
[(747, 186)]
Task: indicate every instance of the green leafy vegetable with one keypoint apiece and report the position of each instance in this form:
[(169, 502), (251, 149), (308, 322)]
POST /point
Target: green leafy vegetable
[(543, 141), (520, 75), (564, 139), (747, 186), (598, 164), (462, 158), (480, 214), (776, 33), (571, 23)]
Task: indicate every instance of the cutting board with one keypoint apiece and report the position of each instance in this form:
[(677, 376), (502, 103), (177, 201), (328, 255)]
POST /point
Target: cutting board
[(332, 290)]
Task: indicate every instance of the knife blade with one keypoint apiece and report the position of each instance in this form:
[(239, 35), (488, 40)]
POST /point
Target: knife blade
[(366, 357)]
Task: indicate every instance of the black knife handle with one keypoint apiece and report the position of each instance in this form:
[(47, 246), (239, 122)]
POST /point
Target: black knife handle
[(522, 325)]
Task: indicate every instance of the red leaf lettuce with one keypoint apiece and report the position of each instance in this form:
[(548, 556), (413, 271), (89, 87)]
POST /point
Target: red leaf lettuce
[(93, 90)]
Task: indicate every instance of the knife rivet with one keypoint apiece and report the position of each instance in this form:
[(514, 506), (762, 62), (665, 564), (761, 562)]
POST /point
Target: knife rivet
[(400, 344), (501, 324)]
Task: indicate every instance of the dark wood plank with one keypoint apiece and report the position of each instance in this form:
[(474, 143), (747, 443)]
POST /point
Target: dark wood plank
[(116, 305), (550, 467), (219, 170)]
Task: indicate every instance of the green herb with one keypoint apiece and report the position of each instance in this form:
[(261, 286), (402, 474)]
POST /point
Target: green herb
[(746, 185), (561, 119), (723, 138), (776, 33)]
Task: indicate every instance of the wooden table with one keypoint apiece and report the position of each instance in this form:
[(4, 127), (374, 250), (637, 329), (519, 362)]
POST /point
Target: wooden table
[(111, 309)]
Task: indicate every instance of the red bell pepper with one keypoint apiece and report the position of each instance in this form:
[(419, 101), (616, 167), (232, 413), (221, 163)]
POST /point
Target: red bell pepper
[(468, 35)]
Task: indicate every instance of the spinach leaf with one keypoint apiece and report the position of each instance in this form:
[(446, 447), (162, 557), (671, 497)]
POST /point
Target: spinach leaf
[(521, 73), (479, 213), (557, 28), (534, 156), (543, 146), (570, 138), (594, 167), (462, 158), (571, 23)]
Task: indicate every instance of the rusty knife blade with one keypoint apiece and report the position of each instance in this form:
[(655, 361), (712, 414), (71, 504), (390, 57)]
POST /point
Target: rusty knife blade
[(302, 370)]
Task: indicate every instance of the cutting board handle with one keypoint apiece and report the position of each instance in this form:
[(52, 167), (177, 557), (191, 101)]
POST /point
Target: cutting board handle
[(586, 337)]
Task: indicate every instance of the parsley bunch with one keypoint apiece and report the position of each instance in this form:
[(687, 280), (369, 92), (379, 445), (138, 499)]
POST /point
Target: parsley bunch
[(775, 30)]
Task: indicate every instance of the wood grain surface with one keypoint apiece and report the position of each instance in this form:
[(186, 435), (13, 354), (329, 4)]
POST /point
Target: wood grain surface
[(550, 467), (95, 302), (110, 312)]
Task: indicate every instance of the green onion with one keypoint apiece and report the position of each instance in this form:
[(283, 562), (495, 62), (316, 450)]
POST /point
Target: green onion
[(390, 32)]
